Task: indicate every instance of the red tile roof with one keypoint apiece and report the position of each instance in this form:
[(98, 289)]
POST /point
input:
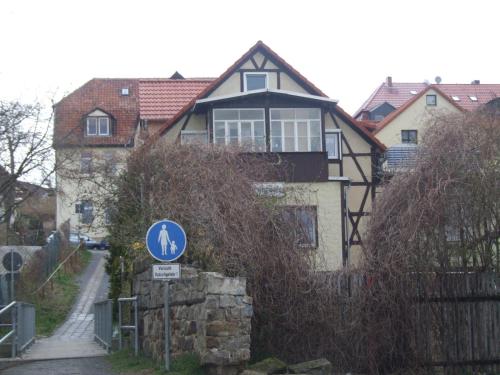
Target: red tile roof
[(103, 94), (396, 95), (161, 99), (400, 93), (152, 99), (483, 92)]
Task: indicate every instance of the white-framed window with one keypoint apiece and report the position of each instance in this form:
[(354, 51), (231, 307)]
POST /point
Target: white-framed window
[(431, 100), (86, 162), (98, 126), (240, 127), (190, 137), (296, 130), (255, 81), (305, 220), (333, 143)]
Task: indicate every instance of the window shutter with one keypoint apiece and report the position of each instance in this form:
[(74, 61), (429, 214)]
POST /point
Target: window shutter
[(78, 208)]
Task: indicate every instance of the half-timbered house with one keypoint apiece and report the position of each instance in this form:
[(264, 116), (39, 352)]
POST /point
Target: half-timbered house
[(263, 104)]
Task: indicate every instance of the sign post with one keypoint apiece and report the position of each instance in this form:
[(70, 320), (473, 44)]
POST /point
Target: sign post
[(166, 242)]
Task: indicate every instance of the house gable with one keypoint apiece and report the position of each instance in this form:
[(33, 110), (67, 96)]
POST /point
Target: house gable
[(261, 58), (414, 115)]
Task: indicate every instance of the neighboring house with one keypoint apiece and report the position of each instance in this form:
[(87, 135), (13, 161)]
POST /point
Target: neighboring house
[(95, 127), (260, 103), (397, 113), (34, 210)]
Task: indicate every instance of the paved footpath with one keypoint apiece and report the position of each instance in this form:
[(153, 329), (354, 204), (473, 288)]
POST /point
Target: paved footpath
[(77, 366), (75, 338)]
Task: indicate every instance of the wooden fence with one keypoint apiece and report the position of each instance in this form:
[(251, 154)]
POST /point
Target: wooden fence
[(458, 322)]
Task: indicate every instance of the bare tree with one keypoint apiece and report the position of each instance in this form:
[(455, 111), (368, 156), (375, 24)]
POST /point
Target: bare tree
[(25, 151), (432, 226)]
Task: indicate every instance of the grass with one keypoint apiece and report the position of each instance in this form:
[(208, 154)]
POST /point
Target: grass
[(53, 305), (125, 362)]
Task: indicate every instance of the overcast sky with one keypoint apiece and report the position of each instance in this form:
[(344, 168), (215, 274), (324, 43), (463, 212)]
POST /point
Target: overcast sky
[(346, 48)]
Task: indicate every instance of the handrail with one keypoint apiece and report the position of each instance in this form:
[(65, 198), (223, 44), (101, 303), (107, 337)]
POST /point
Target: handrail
[(127, 299), (9, 306), (134, 327), (13, 332), (22, 326)]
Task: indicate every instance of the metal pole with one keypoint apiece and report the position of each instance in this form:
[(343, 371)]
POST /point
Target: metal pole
[(120, 324), (109, 320), (14, 328), (136, 330), (11, 275), (166, 313)]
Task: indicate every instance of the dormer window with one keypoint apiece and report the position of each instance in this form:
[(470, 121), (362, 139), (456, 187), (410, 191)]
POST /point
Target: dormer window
[(97, 126), (255, 81)]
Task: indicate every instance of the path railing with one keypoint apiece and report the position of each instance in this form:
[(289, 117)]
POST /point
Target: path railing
[(134, 327), (22, 326), (25, 325), (103, 323)]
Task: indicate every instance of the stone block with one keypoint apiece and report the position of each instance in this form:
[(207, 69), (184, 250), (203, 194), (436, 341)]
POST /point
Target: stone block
[(269, 366), (218, 284), (252, 372), (212, 342), (212, 302), (247, 311), (222, 328), (317, 367), (227, 301), (192, 328), (216, 357)]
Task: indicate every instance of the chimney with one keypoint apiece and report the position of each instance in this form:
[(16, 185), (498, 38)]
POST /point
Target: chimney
[(388, 81), (475, 82)]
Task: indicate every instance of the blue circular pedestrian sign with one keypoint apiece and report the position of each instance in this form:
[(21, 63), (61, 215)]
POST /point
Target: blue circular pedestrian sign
[(166, 240)]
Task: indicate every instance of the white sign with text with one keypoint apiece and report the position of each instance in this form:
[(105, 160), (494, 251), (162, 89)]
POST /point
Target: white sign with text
[(168, 271)]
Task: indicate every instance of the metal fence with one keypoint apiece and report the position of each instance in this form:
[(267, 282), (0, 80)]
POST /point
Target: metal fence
[(22, 326), (52, 253), (25, 325), (103, 323), (129, 327)]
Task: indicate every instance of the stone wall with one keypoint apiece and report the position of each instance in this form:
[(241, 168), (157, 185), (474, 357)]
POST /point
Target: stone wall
[(210, 315)]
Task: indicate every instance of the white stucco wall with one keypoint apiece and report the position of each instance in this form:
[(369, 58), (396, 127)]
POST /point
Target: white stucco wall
[(415, 117)]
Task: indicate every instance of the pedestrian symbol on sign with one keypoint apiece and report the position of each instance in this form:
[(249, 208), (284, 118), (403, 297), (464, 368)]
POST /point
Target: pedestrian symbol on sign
[(166, 240)]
